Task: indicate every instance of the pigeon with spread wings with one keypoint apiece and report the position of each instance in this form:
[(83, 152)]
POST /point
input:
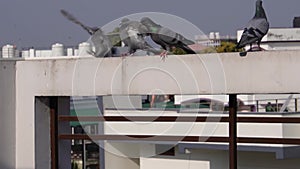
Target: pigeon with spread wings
[(102, 44), (132, 33)]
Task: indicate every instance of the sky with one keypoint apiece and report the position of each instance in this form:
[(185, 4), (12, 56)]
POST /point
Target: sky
[(38, 23)]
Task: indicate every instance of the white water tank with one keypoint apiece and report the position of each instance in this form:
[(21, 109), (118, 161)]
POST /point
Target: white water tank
[(84, 49), (8, 51), (25, 53), (212, 35), (57, 49), (31, 53), (70, 52), (217, 35), (17, 53), (76, 52)]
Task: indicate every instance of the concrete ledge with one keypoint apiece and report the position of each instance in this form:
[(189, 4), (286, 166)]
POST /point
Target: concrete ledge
[(22, 80), (259, 73)]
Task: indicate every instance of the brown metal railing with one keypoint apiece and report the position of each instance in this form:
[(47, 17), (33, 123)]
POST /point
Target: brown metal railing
[(232, 121), (179, 119)]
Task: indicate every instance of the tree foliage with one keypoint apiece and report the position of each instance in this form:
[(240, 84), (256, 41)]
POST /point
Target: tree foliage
[(178, 51)]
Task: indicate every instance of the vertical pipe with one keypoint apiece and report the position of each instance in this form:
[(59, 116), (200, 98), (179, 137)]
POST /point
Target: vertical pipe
[(232, 131), (277, 107), (257, 106), (83, 154)]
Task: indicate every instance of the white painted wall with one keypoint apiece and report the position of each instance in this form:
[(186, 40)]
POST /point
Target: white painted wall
[(42, 133), (279, 39), (22, 80), (218, 159), (7, 114), (267, 72), (113, 161)]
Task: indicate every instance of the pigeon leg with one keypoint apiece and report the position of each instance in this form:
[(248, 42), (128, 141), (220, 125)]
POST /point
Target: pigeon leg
[(93, 53), (124, 54), (250, 47), (164, 55), (260, 48)]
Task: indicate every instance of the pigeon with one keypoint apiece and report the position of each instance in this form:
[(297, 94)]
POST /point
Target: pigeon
[(167, 38), (132, 34), (256, 29), (102, 44)]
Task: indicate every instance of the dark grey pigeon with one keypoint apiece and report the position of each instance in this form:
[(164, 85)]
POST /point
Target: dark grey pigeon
[(167, 38), (256, 29), (132, 33), (102, 44)]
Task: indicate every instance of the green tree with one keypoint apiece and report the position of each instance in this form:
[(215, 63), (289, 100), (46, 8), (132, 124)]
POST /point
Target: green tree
[(178, 51), (208, 50)]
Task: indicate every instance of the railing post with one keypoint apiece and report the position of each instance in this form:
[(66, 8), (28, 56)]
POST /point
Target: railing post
[(277, 107), (53, 101), (232, 131), (101, 131), (296, 104)]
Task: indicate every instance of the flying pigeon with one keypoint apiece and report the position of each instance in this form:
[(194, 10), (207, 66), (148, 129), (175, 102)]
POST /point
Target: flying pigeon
[(256, 29), (102, 44), (167, 38), (132, 33)]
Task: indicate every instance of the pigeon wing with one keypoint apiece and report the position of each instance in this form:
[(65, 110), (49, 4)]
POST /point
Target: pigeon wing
[(74, 20), (261, 25), (172, 38), (102, 44), (256, 30)]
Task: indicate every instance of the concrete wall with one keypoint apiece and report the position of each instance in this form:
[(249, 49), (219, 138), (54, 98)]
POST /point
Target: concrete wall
[(113, 161), (22, 80), (266, 72), (42, 133), (218, 159), (7, 114)]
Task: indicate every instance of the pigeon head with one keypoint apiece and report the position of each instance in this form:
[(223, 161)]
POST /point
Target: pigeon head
[(260, 12), (152, 26), (92, 30), (95, 29), (147, 22), (125, 20), (258, 2)]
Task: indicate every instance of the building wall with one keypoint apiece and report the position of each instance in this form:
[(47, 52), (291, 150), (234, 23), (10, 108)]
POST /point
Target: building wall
[(278, 39), (42, 133), (266, 73), (113, 161), (218, 159), (7, 114)]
